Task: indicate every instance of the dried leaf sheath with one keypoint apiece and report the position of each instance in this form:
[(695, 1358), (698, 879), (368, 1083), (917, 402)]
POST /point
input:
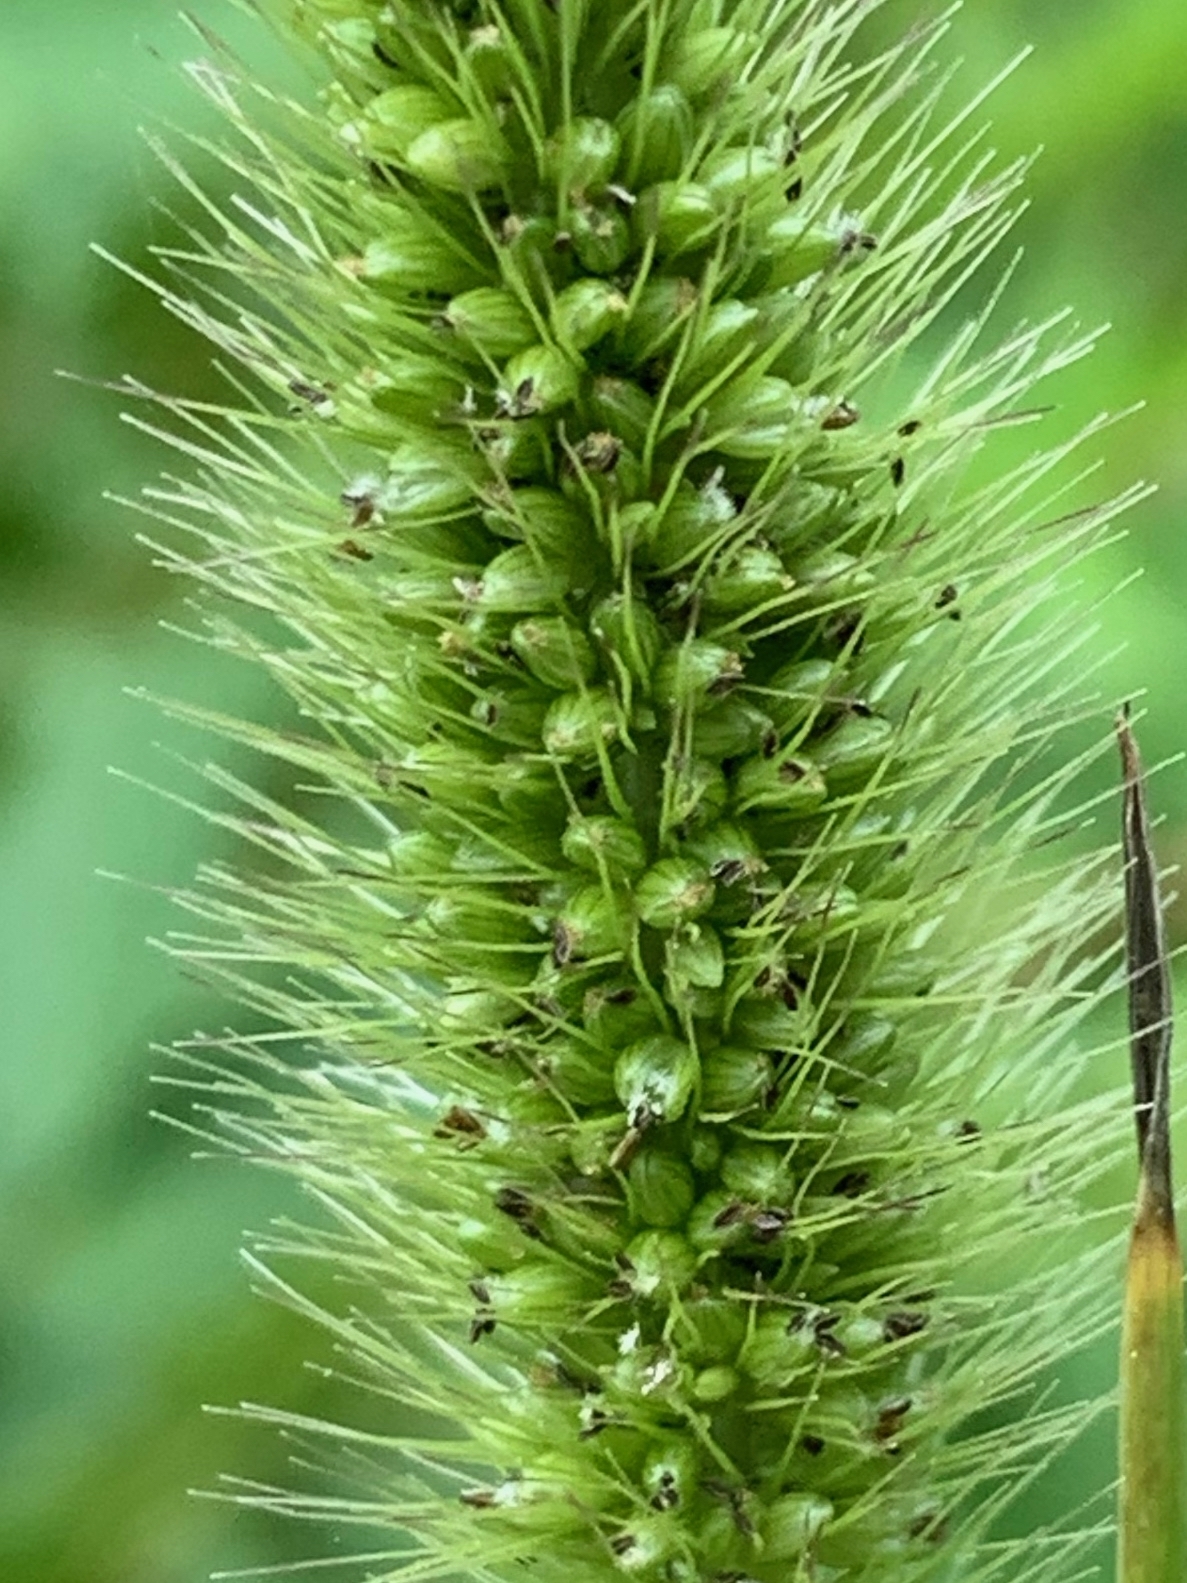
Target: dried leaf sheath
[(1153, 1405)]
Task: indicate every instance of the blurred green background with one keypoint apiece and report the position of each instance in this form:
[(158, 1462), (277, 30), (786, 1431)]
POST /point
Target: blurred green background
[(122, 1307)]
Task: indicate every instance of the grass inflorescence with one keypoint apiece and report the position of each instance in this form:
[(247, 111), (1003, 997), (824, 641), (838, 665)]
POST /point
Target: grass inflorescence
[(671, 998)]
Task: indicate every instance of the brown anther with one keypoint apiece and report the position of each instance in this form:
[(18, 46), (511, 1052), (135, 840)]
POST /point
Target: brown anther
[(767, 1224), (822, 1330), (730, 1215), (843, 416), (902, 1323), (564, 945), (459, 1120), (812, 1444), (480, 1500), (313, 394), (890, 1418), (355, 550), (946, 595), (513, 1201), (599, 452), (898, 471)]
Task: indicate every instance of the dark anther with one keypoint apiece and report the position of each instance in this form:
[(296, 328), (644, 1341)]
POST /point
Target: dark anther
[(667, 1497), (767, 1224), (728, 870), (481, 1325), (313, 394), (890, 1417), (853, 1184), (789, 992), (459, 1121), (481, 1500), (847, 1102), (361, 502), (382, 56), (562, 241), (563, 945), (599, 452), (792, 771), (843, 416), (597, 1422), (621, 1543), (480, 1292), (794, 189), (946, 595), (620, 1290), (903, 1323), (898, 471), (513, 1201), (769, 745), (812, 1444), (912, 426), (968, 1132), (730, 1215), (823, 1329), (355, 550)]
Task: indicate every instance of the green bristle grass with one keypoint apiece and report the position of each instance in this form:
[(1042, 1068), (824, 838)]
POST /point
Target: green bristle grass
[(670, 975)]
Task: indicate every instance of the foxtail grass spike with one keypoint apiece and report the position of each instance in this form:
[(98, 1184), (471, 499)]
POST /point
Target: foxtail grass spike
[(1153, 1403), (665, 946)]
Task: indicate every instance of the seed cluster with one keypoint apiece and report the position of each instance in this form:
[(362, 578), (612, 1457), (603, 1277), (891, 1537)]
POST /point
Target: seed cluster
[(656, 645), (638, 561)]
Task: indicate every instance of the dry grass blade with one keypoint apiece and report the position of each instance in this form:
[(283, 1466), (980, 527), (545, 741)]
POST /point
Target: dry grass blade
[(1152, 1402)]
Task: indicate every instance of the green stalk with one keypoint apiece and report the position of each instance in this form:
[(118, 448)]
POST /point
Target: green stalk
[(1153, 1401), (669, 963)]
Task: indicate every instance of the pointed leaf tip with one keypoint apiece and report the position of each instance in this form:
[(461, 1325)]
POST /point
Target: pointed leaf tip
[(1153, 1425)]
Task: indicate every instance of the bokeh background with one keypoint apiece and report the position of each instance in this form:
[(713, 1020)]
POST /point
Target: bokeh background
[(122, 1306)]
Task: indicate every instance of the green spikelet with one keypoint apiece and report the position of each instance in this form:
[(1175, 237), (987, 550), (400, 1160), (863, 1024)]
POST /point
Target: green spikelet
[(693, 1107)]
